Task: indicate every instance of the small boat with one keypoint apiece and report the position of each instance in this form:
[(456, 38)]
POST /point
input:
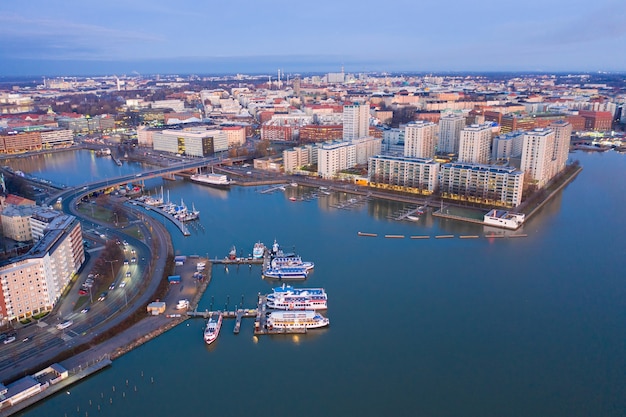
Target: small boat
[(232, 255), (212, 329), (258, 251), (412, 218), (292, 199)]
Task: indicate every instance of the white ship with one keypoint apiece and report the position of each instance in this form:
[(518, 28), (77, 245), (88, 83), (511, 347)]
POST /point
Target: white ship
[(213, 327), (291, 262), (290, 298), (296, 320), (295, 273), (505, 219), (258, 251), (212, 180)]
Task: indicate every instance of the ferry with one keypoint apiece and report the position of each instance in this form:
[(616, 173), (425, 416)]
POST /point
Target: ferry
[(291, 262), (258, 251), (293, 273), (212, 180), (290, 298), (212, 329), (296, 320)]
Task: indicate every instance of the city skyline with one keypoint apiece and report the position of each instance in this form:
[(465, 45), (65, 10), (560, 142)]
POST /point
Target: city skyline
[(41, 38)]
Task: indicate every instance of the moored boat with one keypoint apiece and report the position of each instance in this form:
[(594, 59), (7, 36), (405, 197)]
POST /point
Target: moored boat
[(212, 180), (212, 329), (290, 298), (258, 251), (291, 262), (287, 273), (308, 319)]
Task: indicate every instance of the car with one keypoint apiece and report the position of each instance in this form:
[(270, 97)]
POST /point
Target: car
[(125, 261), (132, 251), (125, 243), (122, 284), (128, 274), (9, 340), (85, 310), (82, 291), (26, 339), (112, 286), (103, 296), (133, 260)]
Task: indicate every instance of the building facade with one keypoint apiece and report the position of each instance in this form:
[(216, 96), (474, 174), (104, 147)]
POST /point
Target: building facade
[(537, 156), (507, 146), (484, 184), (413, 175), (356, 119), (450, 125), (34, 282), (475, 144), (334, 157), (420, 139)]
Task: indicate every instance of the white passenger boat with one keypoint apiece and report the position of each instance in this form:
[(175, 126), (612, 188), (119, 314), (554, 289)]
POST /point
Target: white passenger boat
[(296, 320), (213, 327), (290, 298), (291, 262), (295, 273)]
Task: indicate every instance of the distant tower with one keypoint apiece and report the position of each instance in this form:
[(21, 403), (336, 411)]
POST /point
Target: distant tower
[(296, 86), (278, 82), (269, 82), (118, 83)]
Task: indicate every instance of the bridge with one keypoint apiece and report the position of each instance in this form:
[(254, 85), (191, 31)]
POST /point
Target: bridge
[(88, 188)]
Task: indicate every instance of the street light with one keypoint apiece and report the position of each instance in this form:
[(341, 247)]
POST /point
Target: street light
[(111, 262)]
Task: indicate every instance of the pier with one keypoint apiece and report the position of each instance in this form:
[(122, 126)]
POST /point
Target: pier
[(420, 237), (181, 226), (237, 261), (274, 188)]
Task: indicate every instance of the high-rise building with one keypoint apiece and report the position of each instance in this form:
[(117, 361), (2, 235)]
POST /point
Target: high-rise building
[(34, 282), (475, 144), (450, 126), (366, 148), (420, 139), (537, 156), (562, 137), (356, 118), (507, 146)]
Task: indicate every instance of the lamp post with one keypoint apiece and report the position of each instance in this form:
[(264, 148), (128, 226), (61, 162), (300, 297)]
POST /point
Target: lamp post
[(111, 263)]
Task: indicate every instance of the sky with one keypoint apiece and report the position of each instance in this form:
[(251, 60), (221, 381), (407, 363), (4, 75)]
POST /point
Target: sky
[(68, 37)]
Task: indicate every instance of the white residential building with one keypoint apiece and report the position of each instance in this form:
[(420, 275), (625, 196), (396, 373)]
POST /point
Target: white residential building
[(484, 184), (299, 156), (420, 139), (537, 156), (475, 144), (414, 175), (366, 148), (507, 146), (34, 282), (334, 157), (450, 126), (562, 138), (356, 121)]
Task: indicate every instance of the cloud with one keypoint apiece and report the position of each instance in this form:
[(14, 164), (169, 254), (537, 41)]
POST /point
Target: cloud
[(46, 39)]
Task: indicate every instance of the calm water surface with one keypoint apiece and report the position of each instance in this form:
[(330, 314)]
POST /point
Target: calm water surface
[(441, 327)]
